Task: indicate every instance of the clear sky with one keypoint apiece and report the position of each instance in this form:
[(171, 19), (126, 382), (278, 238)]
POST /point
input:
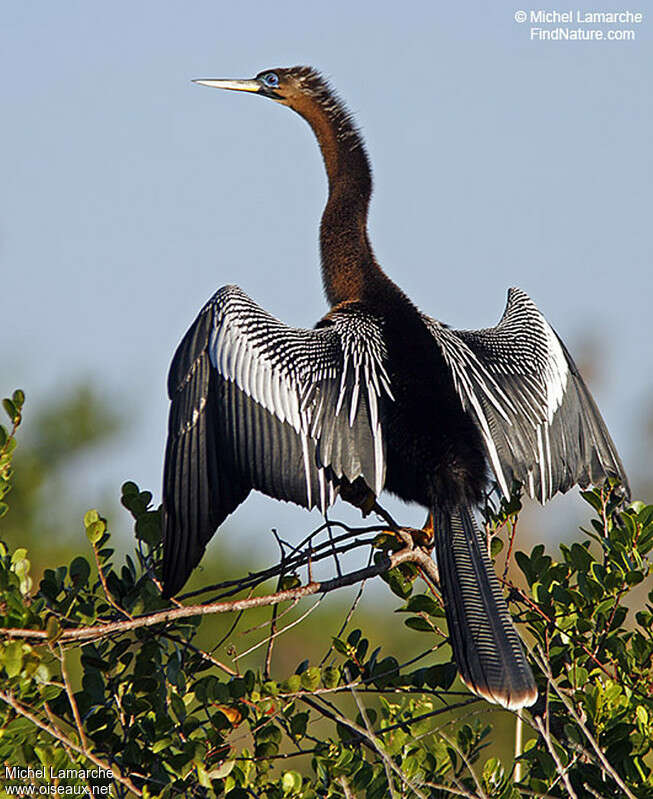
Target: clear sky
[(130, 194)]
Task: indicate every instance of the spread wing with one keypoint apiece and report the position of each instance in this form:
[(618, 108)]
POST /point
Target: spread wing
[(538, 420), (260, 405)]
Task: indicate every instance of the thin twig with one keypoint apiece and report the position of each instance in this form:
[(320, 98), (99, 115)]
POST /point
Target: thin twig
[(511, 541), (333, 547), (299, 556), (519, 736), (349, 615), (368, 740), (275, 610), (460, 791), (283, 629), (465, 760), (562, 770), (105, 587), (204, 655), (541, 662), (71, 699), (231, 629), (593, 791), (377, 744)]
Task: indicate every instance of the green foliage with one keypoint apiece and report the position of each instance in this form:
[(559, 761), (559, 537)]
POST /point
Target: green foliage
[(74, 424), (87, 679)]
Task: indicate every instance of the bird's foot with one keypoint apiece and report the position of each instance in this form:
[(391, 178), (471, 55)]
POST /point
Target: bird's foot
[(361, 497), (410, 536), (422, 538)]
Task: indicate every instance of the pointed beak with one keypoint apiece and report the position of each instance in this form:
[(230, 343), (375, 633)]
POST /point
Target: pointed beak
[(233, 85)]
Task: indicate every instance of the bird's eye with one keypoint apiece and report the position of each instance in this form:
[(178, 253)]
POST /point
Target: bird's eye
[(270, 79)]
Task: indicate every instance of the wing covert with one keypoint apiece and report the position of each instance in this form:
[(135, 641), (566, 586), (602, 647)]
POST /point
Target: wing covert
[(539, 422), (257, 404)]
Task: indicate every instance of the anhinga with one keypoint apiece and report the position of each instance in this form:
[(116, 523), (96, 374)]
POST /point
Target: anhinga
[(376, 396)]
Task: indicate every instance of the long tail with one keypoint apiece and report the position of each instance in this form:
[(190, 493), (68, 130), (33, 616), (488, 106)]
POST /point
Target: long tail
[(485, 644)]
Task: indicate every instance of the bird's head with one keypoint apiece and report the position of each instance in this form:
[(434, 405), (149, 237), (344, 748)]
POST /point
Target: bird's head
[(305, 91), (297, 87)]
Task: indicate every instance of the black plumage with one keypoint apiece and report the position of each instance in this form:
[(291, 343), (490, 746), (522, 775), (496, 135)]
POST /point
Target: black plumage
[(377, 396)]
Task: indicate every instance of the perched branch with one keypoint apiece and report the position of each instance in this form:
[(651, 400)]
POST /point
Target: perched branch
[(406, 555), (299, 557)]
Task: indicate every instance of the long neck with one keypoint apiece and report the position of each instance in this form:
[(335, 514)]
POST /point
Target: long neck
[(349, 269)]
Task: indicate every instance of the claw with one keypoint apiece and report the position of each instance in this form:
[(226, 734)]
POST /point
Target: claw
[(420, 539)]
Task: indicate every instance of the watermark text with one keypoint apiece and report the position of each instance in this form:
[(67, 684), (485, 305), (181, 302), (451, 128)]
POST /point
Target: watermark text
[(575, 25)]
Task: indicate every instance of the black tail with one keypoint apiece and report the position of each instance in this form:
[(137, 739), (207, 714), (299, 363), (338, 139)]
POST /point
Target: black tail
[(485, 644)]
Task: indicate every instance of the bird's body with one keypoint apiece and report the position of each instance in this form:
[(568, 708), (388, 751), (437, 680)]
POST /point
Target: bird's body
[(377, 396), (435, 453)]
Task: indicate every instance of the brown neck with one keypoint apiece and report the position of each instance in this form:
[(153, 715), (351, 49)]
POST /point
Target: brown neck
[(349, 269)]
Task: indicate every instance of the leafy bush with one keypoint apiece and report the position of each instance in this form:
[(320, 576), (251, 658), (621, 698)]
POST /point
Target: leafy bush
[(105, 685)]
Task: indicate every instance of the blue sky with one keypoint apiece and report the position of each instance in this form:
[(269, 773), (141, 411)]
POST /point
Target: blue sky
[(131, 194)]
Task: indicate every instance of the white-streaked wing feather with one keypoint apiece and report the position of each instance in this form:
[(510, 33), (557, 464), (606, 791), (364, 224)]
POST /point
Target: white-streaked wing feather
[(537, 418), (258, 404)]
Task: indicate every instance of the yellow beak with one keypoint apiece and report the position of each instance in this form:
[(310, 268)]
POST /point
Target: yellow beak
[(233, 85)]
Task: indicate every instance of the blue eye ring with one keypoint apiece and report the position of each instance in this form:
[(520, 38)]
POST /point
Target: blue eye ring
[(270, 79)]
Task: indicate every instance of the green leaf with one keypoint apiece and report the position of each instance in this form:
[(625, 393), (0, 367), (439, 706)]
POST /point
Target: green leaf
[(53, 629), (580, 557), (493, 774), (594, 499), (330, 676), (178, 706), (311, 678), (340, 646), (237, 688), (291, 782), (441, 675), (80, 571), (397, 583), (12, 658), (298, 724), (222, 771), (496, 545), (129, 489), (385, 672), (95, 531), (148, 527), (12, 411), (269, 733), (18, 398), (19, 554), (524, 563), (635, 577), (419, 624), (421, 603), (292, 684), (90, 516)]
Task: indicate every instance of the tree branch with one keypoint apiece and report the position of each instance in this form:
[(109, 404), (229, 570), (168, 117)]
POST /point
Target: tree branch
[(387, 562)]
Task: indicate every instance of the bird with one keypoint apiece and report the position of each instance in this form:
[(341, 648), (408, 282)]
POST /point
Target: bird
[(378, 396)]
